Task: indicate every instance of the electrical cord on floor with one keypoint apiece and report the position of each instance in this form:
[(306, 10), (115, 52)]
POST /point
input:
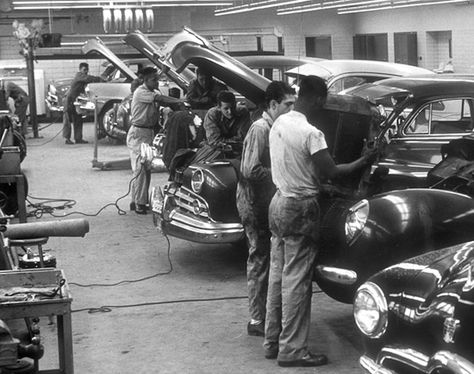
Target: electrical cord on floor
[(131, 280), (50, 140), (40, 208), (109, 308)]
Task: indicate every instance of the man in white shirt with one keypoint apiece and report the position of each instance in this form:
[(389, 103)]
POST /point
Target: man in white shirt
[(299, 157)]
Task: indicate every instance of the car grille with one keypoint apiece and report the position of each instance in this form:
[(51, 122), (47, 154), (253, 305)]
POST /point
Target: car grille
[(188, 200)]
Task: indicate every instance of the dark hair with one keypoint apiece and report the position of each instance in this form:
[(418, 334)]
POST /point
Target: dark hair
[(277, 91), (225, 97), (203, 71), (313, 86), (83, 65), (149, 70)]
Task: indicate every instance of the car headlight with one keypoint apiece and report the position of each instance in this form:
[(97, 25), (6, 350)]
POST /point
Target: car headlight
[(356, 219), (197, 180), (370, 310)]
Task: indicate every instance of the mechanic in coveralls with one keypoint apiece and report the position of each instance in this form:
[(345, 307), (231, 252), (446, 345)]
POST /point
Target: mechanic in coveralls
[(299, 158), (203, 90), (254, 193), (21, 99), (143, 117)]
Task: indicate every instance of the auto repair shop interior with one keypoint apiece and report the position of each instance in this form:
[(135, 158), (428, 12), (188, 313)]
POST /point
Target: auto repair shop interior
[(92, 281)]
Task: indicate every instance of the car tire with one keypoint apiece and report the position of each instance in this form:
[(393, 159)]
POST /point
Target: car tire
[(107, 115)]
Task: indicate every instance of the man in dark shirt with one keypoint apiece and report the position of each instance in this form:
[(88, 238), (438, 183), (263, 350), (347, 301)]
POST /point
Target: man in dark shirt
[(203, 90), (21, 100), (226, 121), (78, 86)]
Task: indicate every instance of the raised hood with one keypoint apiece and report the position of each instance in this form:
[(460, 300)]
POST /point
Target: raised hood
[(145, 46), (187, 47), (98, 46)]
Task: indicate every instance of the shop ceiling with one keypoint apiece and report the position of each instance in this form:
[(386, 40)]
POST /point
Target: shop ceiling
[(223, 7)]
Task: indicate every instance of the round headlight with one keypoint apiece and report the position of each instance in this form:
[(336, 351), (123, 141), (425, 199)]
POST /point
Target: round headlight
[(356, 219), (197, 180), (370, 310)]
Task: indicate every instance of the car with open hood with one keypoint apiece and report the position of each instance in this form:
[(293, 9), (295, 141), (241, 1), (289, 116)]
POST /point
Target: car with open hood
[(417, 316), (199, 202)]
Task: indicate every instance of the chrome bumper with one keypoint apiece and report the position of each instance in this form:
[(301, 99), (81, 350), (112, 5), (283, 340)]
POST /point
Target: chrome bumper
[(336, 275), (184, 226), (181, 224), (451, 362)]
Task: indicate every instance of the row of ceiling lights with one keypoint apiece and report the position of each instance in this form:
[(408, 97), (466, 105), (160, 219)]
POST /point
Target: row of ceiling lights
[(343, 6), (224, 7)]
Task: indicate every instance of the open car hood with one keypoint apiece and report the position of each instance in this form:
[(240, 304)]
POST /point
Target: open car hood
[(98, 46), (187, 47), (145, 46)]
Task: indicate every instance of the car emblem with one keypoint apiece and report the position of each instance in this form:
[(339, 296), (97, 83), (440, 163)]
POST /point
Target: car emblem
[(450, 327)]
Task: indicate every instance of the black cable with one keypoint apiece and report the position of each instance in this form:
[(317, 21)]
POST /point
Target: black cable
[(48, 141), (44, 209), (133, 280)]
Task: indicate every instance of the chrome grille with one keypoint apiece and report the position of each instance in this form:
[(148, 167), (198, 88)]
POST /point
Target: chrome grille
[(184, 199)]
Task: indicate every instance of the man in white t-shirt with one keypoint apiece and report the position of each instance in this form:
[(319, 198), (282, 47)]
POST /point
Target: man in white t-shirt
[(299, 157)]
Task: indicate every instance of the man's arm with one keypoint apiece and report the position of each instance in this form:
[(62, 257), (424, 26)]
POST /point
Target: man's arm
[(327, 167), (255, 144), (213, 132)]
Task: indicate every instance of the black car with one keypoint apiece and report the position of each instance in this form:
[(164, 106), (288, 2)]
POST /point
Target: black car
[(418, 316)]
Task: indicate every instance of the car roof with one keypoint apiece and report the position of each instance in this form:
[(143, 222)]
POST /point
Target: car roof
[(420, 87), (275, 61), (327, 69)]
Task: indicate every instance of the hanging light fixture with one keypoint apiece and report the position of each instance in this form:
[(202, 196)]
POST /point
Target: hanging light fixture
[(138, 18), (128, 19), (107, 19), (149, 20), (118, 22)]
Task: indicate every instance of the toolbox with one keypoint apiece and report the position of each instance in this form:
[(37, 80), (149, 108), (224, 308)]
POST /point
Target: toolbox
[(10, 160)]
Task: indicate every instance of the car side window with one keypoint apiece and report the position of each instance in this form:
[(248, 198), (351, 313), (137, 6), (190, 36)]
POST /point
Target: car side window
[(452, 116)]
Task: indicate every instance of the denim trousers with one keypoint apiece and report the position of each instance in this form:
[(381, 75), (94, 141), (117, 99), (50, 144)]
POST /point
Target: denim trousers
[(294, 223)]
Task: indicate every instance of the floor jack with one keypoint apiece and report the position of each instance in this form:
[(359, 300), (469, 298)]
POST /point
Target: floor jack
[(122, 164)]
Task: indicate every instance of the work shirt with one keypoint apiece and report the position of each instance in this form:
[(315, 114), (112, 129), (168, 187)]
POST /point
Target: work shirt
[(203, 98), (144, 108), (255, 163), (293, 140), (79, 84), (220, 128)]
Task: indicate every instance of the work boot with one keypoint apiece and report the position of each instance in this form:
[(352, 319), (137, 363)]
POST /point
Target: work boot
[(69, 141), (309, 359), (81, 141), (256, 329), (140, 209)]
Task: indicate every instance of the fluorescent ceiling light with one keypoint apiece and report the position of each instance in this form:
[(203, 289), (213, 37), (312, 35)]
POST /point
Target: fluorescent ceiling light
[(84, 4), (323, 5), (395, 5), (251, 6)]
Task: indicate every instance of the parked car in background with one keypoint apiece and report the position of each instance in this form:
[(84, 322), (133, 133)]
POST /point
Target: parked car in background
[(343, 74), (418, 316)]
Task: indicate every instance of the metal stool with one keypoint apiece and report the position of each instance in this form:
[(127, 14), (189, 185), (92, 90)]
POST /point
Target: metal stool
[(39, 242)]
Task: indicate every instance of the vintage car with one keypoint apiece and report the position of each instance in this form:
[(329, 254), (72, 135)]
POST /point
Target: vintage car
[(343, 74), (358, 239), (417, 316)]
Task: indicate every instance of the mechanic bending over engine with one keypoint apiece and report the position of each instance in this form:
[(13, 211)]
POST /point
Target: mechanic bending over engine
[(203, 90), (226, 121), (144, 115), (299, 158), (255, 190)]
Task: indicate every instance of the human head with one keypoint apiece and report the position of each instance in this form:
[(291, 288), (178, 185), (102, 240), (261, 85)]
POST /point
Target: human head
[(279, 99), (84, 67), (226, 103), (312, 94), (203, 77), (150, 77)]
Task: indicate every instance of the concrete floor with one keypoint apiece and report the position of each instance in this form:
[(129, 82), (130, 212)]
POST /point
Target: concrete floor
[(191, 319)]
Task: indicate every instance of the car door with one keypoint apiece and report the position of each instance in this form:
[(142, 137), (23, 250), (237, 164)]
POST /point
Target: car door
[(420, 133)]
